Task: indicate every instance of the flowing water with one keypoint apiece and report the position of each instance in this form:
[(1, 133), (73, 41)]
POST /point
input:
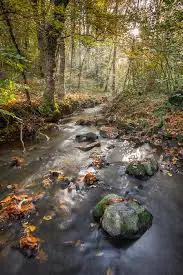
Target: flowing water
[(72, 240)]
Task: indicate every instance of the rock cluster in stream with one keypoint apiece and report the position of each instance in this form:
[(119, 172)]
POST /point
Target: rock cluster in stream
[(122, 218)]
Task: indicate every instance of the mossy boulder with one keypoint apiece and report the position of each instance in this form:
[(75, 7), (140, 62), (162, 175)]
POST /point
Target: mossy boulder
[(126, 220), (143, 170), (103, 203)]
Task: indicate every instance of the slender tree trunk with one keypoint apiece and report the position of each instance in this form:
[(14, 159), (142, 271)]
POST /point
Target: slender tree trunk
[(108, 72), (61, 69), (114, 69), (81, 68), (12, 35), (72, 39), (50, 66), (114, 52)]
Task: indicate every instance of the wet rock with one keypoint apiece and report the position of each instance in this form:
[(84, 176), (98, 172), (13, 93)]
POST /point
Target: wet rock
[(88, 137), (102, 204), (63, 183), (55, 173), (109, 132), (142, 170), (126, 220), (89, 146)]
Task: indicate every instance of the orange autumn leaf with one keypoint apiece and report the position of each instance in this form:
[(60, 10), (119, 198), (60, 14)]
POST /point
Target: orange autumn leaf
[(90, 178), (29, 241)]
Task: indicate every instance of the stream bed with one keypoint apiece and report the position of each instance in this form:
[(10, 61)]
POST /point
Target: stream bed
[(73, 243)]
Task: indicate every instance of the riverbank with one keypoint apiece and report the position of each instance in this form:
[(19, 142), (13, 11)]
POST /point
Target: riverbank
[(35, 120)]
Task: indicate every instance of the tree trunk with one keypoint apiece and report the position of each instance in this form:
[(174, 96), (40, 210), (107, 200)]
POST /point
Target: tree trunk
[(81, 68), (52, 37), (50, 66), (114, 70), (61, 69)]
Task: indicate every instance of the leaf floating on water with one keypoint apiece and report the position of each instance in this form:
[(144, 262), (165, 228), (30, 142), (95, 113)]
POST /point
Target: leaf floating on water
[(170, 174), (47, 218), (29, 228), (29, 241)]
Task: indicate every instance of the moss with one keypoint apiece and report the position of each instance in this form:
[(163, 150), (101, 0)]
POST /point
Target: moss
[(144, 218), (102, 204), (137, 170)]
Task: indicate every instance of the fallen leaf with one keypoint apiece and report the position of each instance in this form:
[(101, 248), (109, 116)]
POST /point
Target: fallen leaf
[(47, 218), (30, 242), (170, 174), (90, 178), (29, 228), (47, 182)]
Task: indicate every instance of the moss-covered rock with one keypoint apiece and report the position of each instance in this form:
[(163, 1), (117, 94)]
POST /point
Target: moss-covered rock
[(143, 170), (126, 220), (103, 203)]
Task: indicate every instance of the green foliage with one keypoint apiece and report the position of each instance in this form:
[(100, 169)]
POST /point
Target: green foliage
[(46, 109), (10, 58), (7, 91)]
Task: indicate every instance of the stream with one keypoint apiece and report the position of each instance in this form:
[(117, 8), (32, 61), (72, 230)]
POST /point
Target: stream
[(72, 241)]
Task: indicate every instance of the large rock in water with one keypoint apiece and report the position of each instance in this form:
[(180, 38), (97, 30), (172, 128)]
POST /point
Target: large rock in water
[(144, 169), (126, 220)]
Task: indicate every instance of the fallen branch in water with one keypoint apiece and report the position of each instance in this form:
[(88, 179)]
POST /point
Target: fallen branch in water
[(4, 112), (44, 135), (21, 137)]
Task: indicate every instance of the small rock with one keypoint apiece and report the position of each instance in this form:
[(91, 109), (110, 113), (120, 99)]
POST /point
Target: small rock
[(9, 186), (89, 146), (88, 137)]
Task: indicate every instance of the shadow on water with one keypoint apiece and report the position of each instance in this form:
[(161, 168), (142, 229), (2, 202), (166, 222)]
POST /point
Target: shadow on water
[(72, 240)]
